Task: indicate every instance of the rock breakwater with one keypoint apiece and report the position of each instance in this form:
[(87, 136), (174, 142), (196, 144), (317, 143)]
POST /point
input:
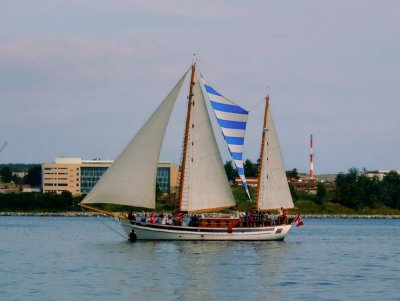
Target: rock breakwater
[(89, 214), (352, 216)]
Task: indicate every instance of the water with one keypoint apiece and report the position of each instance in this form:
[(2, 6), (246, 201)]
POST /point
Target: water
[(81, 258)]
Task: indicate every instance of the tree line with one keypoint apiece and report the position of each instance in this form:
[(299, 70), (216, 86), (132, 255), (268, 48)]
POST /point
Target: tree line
[(33, 175), (356, 189), (250, 169), (37, 201)]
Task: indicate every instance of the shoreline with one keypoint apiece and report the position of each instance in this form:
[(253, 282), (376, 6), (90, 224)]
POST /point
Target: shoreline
[(98, 214), (351, 216)]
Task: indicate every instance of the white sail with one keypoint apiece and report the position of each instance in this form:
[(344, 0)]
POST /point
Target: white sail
[(274, 188), (205, 185), (131, 180)]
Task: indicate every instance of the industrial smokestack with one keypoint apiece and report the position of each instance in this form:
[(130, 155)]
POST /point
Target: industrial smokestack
[(311, 158)]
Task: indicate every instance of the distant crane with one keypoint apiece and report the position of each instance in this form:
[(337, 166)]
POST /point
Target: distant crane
[(3, 147)]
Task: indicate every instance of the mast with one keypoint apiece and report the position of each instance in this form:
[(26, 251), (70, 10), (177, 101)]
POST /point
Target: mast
[(261, 163), (186, 137)]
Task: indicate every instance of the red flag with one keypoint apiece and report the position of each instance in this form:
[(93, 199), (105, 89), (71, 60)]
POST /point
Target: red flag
[(298, 221)]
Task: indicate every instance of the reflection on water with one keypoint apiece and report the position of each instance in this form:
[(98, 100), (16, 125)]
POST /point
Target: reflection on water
[(81, 259), (202, 270)]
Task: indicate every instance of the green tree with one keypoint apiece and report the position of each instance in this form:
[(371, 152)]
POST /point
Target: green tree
[(293, 192), (356, 189), (231, 172), (63, 201), (34, 176), (6, 174), (292, 174), (391, 190), (321, 193), (250, 168), (371, 190), (159, 192), (347, 190)]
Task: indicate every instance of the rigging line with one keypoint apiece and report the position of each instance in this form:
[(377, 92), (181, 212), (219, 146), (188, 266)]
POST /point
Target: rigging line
[(262, 100), (256, 105), (238, 80), (112, 229), (231, 76)]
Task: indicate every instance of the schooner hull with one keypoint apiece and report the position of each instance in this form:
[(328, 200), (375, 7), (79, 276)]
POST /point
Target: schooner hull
[(146, 231), (203, 186)]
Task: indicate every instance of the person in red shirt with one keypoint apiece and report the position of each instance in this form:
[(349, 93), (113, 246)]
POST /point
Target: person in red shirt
[(153, 219)]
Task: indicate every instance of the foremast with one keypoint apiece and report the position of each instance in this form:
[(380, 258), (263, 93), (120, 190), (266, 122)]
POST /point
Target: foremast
[(261, 159), (273, 190), (186, 136)]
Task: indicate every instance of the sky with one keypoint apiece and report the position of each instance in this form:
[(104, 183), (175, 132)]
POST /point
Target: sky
[(79, 78)]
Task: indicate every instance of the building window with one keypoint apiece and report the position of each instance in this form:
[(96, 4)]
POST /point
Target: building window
[(90, 176), (164, 178)]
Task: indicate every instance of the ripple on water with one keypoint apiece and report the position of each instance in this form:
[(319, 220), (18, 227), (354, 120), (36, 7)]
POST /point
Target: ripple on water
[(81, 259)]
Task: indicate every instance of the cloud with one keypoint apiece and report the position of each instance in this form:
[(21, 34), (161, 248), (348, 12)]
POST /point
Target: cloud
[(92, 71)]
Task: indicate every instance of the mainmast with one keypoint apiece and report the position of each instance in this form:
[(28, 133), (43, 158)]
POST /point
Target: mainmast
[(186, 137), (261, 160)]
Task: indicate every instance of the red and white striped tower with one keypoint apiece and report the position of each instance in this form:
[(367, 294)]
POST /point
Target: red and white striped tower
[(311, 159)]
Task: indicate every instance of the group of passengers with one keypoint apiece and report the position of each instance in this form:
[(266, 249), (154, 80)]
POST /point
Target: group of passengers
[(257, 218), (153, 218), (254, 218), (165, 219)]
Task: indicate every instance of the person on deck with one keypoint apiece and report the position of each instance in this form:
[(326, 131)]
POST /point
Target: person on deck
[(131, 215), (267, 219), (164, 219), (243, 219), (195, 221), (280, 216), (143, 217), (160, 217), (251, 220), (284, 216)]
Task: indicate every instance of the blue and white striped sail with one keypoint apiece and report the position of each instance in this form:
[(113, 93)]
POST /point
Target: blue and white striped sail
[(233, 120)]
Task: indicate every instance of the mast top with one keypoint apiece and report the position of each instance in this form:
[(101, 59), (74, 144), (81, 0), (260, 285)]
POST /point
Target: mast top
[(194, 59)]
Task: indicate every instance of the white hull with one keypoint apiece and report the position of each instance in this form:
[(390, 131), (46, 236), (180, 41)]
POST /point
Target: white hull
[(148, 231)]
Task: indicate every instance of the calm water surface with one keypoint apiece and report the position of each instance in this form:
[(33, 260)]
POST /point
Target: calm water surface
[(81, 258)]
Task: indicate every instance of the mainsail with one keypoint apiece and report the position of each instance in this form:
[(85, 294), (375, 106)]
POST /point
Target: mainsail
[(273, 186), (131, 180), (232, 120), (205, 186)]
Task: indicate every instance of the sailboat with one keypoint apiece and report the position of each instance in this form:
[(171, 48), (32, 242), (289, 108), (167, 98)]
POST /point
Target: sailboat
[(203, 184)]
